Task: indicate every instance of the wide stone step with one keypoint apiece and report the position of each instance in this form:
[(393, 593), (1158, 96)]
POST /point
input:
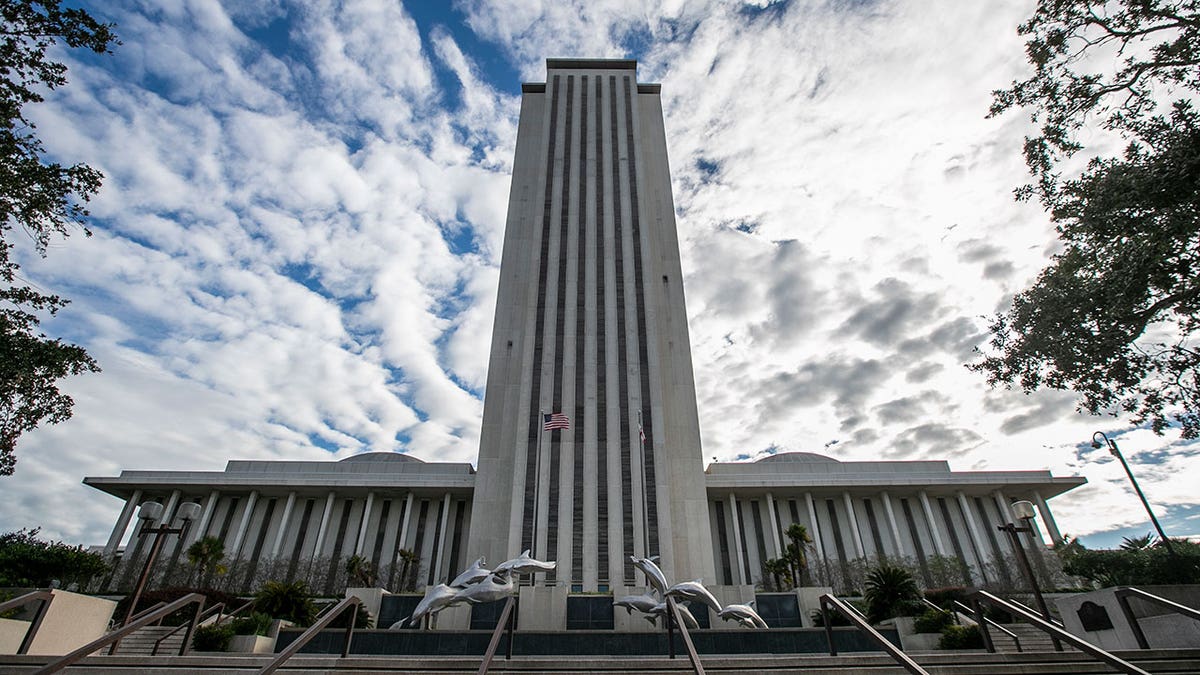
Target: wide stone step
[(943, 663)]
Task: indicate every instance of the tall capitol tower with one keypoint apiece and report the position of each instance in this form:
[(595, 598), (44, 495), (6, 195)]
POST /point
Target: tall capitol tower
[(591, 323)]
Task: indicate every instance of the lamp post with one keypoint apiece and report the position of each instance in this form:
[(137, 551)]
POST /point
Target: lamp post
[(1025, 513), (1116, 452), (150, 512)]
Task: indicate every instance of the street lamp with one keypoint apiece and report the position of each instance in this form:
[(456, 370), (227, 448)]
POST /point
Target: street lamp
[(150, 512), (1025, 513), (1115, 452)]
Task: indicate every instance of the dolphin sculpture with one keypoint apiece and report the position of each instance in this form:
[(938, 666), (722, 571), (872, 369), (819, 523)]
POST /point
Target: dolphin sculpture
[(523, 564), (694, 590), (685, 615), (743, 614), (653, 573), (473, 574), (488, 590), (436, 599), (642, 603)]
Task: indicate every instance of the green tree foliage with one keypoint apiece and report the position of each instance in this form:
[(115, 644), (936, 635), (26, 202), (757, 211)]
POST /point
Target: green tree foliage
[(287, 601), (1114, 316), (205, 556), (1135, 566), (891, 591), (42, 199), (794, 552), (29, 562)]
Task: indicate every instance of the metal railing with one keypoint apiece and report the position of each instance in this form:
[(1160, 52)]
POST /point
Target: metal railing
[(43, 597), (184, 648), (504, 624), (140, 621), (673, 620), (979, 597), (1125, 592), (968, 612), (350, 603), (856, 619), (112, 649)]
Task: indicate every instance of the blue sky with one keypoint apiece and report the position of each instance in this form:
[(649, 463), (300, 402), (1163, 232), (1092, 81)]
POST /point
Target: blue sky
[(296, 250)]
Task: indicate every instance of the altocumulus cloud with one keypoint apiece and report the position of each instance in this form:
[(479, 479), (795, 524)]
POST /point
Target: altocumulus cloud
[(296, 249)]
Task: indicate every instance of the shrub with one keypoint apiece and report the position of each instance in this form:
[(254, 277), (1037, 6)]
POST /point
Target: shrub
[(212, 638), (290, 602), (835, 619), (961, 637), (1136, 567), (29, 562), (890, 591), (255, 623), (944, 597), (362, 619), (932, 621)]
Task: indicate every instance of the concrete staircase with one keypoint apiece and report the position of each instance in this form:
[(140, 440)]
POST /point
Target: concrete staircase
[(141, 642), (941, 663)]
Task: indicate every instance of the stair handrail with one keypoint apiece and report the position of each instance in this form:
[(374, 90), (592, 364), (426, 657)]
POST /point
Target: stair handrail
[(184, 648), (967, 612), (112, 649), (1027, 608), (1123, 593), (45, 597), (978, 597), (673, 617), (854, 617), (146, 619), (503, 625), (350, 603)]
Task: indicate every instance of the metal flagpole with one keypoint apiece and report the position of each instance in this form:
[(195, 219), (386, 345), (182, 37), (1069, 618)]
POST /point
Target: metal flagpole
[(537, 481), (645, 489)]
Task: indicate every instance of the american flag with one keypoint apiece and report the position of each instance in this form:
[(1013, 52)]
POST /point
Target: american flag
[(641, 432), (552, 421)]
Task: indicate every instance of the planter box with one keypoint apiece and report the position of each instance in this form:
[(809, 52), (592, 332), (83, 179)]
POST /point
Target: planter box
[(252, 644)]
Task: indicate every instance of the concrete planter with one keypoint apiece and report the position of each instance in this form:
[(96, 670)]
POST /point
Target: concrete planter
[(252, 644), (911, 640)]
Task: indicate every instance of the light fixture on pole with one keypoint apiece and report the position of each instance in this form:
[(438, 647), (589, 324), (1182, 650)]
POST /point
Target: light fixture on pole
[(1116, 452), (1025, 513), (149, 512)]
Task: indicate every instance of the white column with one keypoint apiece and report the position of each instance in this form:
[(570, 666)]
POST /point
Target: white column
[(737, 538), (774, 525), (816, 526), (408, 507), (206, 514), (1048, 518), (933, 526), (114, 539), (858, 542), (167, 514), (441, 546), (283, 524), (235, 551), (324, 525), (973, 529), (891, 516), (362, 528)]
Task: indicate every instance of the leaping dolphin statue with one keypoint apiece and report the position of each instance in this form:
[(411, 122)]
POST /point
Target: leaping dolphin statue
[(743, 614), (473, 574), (436, 599), (653, 573), (488, 590), (523, 564), (685, 615), (694, 590), (642, 603)]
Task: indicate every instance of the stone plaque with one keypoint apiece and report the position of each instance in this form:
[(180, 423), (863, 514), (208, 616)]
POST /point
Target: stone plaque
[(1094, 617)]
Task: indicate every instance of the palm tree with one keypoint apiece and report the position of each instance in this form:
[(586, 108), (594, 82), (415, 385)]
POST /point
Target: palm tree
[(798, 534), (779, 569), (1141, 543), (204, 555), (359, 571), (407, 574), (889, 589)]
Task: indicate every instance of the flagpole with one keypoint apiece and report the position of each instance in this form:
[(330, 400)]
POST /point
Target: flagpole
[(537, 481), (645, 490)]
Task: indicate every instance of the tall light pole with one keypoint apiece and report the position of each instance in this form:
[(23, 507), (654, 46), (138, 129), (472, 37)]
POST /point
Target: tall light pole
[(150, 512), (1116, 452), (1024, 513)]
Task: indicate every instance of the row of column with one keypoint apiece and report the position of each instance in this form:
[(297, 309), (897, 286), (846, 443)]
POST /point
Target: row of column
[(257, 526), (748, 531)]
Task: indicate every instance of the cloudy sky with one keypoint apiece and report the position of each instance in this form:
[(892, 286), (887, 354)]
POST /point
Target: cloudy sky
[(296, 249)]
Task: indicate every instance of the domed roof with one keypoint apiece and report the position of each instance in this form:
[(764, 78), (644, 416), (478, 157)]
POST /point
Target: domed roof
[(382, 457), (798, 457)]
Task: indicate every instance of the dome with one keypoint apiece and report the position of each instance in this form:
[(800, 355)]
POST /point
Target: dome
[(798, 457), (382, 457)]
